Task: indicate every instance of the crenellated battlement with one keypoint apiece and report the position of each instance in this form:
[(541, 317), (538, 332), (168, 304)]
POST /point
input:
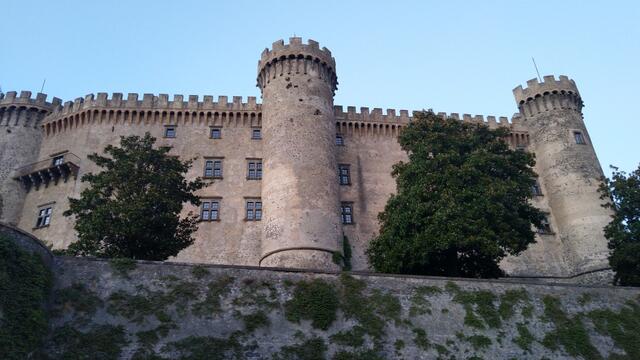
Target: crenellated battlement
[(25, 100), (548, 86), (153, 102), (296, 58), (296, 48)]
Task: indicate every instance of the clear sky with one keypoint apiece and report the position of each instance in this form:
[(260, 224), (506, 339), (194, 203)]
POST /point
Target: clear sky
[(452, 56)]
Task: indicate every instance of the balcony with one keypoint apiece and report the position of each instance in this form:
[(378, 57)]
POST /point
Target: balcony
[(48, 171)]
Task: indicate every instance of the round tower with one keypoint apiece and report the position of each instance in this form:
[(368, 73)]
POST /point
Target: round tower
[(568, 169), (300, 192), (20, 137)]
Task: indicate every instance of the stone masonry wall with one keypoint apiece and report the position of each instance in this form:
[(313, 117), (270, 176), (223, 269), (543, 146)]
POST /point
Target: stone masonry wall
[(171, 310)]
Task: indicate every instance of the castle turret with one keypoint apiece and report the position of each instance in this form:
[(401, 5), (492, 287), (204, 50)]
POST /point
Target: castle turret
[(568, 169), (20, 137), (301, 223)]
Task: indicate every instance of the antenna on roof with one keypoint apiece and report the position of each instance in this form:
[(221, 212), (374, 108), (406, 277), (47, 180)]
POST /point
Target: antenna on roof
[(536, 66), (42, 87)]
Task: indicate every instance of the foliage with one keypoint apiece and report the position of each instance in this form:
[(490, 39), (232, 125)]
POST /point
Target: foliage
[(103, 342), (357, 355), (622, 326), (480, 308), (525, 338), (315, 300), (420, 305), (420, 339), (569, 332), (462, 202), (210, 348), (346, 253), (77, 297), (353, 337), (479, 341), (25, 282), (211, 303), (199, 272), (122, 266), (312, 349), (255, 320), (132, 208), (509, 299), (623, 232)]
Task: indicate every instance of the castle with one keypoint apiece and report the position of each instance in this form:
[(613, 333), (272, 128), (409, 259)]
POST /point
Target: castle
[(294, 173)]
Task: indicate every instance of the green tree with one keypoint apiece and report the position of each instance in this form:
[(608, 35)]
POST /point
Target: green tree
[(462, 202), (132, 207), (623, 232)]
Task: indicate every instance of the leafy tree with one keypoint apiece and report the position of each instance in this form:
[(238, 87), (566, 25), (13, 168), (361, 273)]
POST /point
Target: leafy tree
[(623, 232), (132, 208), (462, 202)]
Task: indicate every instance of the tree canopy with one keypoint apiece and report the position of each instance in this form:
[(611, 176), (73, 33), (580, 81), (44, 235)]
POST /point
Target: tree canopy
[(623, 232), (132, 207), (462, 202)]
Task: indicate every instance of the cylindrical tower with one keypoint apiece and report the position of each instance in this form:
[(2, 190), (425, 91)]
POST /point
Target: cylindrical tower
[(568, 169), (20, 138), (300, 193)]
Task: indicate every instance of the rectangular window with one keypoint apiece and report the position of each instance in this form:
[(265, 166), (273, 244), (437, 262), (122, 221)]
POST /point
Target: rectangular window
[(344, 174), (58, 160), (254, 169), (545, 227), (535, 189), (216, 133), (346, 211), (44, 217), (210, 210), (213, 168), (254, 210), (170, 132), (579, 137), (256, 134), (339, 140)]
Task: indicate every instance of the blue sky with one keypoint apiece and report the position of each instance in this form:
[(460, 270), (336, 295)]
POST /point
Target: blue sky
[(453, 56)]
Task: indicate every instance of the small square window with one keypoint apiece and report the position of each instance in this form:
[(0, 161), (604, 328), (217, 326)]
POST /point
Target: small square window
[(346, 212), (44, 217), (210, 210), (58, 160), (254, 210), (216, 133), (577, 135), (256, 134), (545, 227), (535, 189), (339, 140), (254, 169), (344, 174), (170, 132)]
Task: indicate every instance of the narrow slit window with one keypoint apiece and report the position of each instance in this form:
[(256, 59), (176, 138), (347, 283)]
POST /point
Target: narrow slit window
[(344, 174), (346, 210), (545, 227), (339, 140), (577, 135), (535, 189)]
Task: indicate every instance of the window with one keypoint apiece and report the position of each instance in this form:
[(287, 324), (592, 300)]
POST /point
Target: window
[(170, 132), (577, 135), (210, 210), (213, 168), (256, 134), (58, 160), (343, 173), (535, 189), (346, 211), (44, 217), (254, 169), (254, 210), (545, 227), (339, 140), (216, 133)]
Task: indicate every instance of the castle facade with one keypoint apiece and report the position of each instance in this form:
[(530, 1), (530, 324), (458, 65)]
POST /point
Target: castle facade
[(294, 173)]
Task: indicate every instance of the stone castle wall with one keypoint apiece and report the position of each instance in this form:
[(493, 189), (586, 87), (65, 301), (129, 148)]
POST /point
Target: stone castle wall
[(176, 310), (300, 163)]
